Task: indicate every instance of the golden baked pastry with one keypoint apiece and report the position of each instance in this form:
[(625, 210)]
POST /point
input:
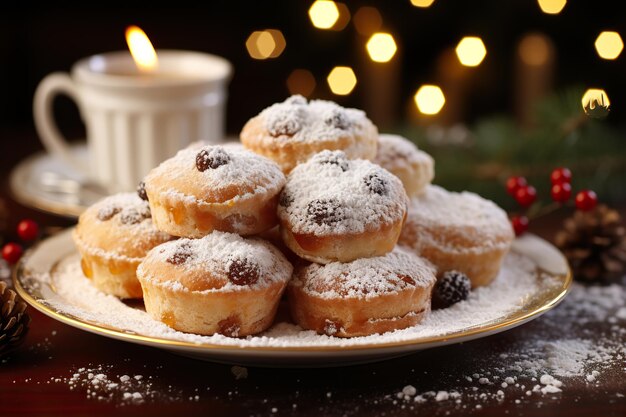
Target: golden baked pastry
[(362, 297), (458, 231), (222, 283), (214, 188), (336, 209), (398, 155), (112, 237), (292, 131)]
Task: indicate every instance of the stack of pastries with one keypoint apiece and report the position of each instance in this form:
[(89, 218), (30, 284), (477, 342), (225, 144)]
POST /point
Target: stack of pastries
[(313, 207)]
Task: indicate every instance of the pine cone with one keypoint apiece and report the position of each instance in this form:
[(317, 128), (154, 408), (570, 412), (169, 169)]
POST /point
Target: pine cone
[(594, 243), (13, 319)]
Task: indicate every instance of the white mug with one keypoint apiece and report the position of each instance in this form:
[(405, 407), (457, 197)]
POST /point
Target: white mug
[(135, 120)]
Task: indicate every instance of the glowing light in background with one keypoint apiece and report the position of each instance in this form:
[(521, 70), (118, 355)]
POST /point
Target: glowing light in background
[(252, 45), (324, 14), (367, 20), (534, 50), (344, 17), (471, 51), (279, 42), (429, 99), (301, 81), (269, 43), (551, 6), (341, 80), (381, 47), (596, 103), (141, 49), (265, 44), (609, 45), (422, 3)]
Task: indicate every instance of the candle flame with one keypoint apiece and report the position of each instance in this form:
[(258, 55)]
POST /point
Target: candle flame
[(141, 49)]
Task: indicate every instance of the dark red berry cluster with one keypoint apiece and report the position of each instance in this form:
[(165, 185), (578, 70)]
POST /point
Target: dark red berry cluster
[(28, 231), (560, 192)]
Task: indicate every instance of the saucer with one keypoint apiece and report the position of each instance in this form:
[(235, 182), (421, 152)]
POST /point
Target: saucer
[(43, 181)]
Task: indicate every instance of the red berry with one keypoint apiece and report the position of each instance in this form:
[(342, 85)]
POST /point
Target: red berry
[(561, 175), (520, 224), (28, 230), (561, 192), (12, 252), (515, 183), (586, 200), (525, 196)]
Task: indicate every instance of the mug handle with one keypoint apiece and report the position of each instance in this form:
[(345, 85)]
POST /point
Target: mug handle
[(51, 86)]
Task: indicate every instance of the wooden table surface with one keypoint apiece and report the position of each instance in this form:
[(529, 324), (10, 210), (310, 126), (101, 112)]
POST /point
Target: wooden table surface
[(38, 379)]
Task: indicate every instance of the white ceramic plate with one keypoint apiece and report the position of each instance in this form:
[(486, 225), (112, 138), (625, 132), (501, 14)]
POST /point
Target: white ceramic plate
[(37, 281)]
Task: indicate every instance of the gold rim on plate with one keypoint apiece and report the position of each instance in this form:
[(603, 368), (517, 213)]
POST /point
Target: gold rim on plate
[(517, 317)]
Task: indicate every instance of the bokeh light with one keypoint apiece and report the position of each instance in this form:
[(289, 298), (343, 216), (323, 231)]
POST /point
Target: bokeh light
[(301, 81), (263, 44), (551, 6), (344, 17), (471, 51), (279, 42), (609, 45), (367, 20), (381, 47), (429, 99), (341, 80), (534, 49), (323, 14), (596, 103), (422, 3)]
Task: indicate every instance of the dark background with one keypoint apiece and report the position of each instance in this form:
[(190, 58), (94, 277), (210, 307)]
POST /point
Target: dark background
[(35, 41)]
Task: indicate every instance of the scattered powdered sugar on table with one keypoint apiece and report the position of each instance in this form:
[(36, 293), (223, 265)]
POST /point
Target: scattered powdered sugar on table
[(516, 284), (542, 367), (103, 383)]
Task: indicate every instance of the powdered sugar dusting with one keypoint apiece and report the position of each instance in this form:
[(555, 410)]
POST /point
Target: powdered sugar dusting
[(214, 253), (479, 218), (516, 284), (331, 195), (248, 172), (366, 278), (318, 120), (122, 224), (396, 152), (126, 209)]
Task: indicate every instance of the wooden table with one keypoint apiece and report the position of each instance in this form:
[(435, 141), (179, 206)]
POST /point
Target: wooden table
[(35, 380)]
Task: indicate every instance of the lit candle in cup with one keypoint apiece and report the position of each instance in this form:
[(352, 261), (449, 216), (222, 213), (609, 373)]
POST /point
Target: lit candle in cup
[(141, 49), (137, 111)]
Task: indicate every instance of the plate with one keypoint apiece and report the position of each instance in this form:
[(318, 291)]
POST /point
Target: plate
[(45, 182), (534, 278)]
